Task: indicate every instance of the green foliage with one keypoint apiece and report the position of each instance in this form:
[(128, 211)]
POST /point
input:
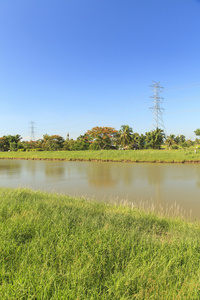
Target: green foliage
[(52, 142), (94, 146), (81, 145), (13, 146), (3, 144), (33, 150), (197, 141), (125, 135), (182, 139), (190, 143), (82, 142), (105, 137), (170, 140), (184, 145), (71, 145), (9, 142), (154, 139), (173, 141), (197, 132), (68, 145), (174, 147), (141, 141)]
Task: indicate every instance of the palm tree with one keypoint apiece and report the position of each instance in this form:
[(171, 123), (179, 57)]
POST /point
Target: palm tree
[(170, 140), (154, 138), (125, 135)]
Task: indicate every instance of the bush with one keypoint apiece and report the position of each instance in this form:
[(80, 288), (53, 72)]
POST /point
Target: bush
[(35, 149), (94, 146), (174, 147)]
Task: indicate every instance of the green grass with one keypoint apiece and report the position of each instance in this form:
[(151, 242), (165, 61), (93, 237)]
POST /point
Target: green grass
[(58, 247), (110, 155)]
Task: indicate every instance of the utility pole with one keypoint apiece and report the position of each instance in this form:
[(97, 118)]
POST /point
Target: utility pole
[(157, 109), (32, 130)]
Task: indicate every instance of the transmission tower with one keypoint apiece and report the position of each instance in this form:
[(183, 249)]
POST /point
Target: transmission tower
[(157, 109), (32, 130)]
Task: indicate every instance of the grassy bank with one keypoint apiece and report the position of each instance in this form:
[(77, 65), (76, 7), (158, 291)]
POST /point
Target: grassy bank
[(110, 155), (57, 247)]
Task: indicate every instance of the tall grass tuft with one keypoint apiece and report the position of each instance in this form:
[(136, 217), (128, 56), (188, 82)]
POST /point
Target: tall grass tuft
[(59, 247)]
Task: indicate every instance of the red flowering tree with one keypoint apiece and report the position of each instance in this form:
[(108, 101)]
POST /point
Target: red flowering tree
[(103, 136)]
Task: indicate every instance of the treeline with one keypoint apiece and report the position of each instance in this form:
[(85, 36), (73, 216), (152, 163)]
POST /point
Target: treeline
[(99, 138)]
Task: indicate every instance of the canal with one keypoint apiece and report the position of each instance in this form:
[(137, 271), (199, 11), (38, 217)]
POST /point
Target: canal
[(160, 185)]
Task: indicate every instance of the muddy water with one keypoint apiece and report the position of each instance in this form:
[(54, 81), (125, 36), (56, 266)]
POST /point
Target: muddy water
[(158, 184)]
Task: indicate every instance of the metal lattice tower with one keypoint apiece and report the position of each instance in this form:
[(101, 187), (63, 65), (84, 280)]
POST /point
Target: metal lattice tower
[(32, 130), (157, 109)]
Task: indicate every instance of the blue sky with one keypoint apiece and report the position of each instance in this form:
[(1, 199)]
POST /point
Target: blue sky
[(70, 65)]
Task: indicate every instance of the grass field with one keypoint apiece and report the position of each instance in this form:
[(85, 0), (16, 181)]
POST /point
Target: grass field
[(180, 156), (58, 247)]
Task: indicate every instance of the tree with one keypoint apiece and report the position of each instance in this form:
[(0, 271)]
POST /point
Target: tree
[(9, 142), (52, 142), (13, 146), (177, 140), (69, 145), (4, 145), (173, 140), (103, 136), (82, 142), (141, 141), (182, 139), (189, 143), (197, 141), (125, 135), (170, 140), (197, 131), (94, 146), (155, 138)]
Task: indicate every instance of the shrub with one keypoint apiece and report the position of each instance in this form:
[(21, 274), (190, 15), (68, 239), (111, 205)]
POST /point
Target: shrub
[(31, 150), (94, 146), (174, 147)]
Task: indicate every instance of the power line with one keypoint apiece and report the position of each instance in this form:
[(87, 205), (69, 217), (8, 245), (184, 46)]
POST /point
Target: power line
[(184, 86), (157, 109)]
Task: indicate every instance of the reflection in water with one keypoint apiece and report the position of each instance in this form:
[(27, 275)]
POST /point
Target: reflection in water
[(10, 169), (32, 169), (54, 171), (162, 184), (101, 175), (156, 178), (128, 175), (197, 175), (155, 173)]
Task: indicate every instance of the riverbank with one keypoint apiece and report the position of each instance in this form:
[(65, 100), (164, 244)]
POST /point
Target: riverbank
[(58, 247), (156, 156)]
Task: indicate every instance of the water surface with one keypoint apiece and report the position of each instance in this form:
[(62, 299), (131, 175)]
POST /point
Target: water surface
[(161, 184)]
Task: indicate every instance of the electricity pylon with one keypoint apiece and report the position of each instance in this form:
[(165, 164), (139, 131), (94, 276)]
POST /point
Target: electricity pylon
[(157, 109), (32, 129)]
